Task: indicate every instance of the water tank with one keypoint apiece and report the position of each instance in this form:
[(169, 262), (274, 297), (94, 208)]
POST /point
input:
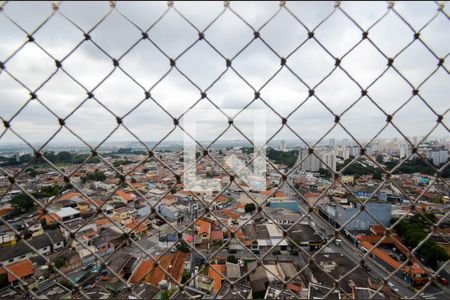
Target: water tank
[(163, 285)]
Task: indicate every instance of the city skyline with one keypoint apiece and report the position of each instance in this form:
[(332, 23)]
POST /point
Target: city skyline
[(224, 150), (257, 63)]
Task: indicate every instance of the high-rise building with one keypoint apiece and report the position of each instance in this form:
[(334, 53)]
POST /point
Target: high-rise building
[(283, 146), (345, 153), (354, 150), (329, 159), (344, 142), (439, 155), (404, 151), (332, 143), (311, 162), (376, 148)]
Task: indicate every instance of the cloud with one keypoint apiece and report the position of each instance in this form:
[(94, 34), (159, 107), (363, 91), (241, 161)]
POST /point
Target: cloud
[(202, 64)]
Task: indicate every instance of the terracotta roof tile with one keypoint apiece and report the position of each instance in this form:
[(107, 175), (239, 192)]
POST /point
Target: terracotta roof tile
[(20, 269), (144, 268), (215, 272), (203, 227), (216, 235), (127, 197), (70, 196)]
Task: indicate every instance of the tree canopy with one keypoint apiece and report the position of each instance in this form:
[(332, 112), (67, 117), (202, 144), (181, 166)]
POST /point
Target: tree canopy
[(413, 231), (24, 203), (250, 207), (94, 176), (232, 259)]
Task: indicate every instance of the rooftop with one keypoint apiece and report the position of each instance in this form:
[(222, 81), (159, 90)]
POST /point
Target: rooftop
[(67, 212), (20, 269)]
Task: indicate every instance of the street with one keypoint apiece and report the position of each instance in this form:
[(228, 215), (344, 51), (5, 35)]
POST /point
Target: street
[(404, 289)]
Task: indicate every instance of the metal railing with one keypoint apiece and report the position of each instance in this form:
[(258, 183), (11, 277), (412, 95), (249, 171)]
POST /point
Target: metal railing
[(87, 35)]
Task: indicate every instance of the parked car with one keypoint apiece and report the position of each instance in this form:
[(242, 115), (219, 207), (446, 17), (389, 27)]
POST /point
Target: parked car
[(87, 267), (442, 280), (393, 287)]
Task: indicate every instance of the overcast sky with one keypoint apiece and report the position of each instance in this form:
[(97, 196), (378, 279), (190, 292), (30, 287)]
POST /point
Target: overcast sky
[(257, 63)]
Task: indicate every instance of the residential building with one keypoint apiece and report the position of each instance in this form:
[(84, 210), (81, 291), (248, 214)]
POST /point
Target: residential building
[(22, 270), (50, 241), (310, 162), (439, 155), (342, 213), (68, 214), (204, 283)]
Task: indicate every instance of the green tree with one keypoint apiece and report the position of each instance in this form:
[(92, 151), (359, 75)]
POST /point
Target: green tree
[(118, 163), (64, 156), (165, 295), (95, 176), (48, 191), (67, 284), (32, 172), (185, 276), (22, 202), (377, 175), (287, 158), (59, 263), (412, 231), (250, 207), (232, 259), (183, 247), (379, 158), (3, 280), (25, 158), (293, 250)]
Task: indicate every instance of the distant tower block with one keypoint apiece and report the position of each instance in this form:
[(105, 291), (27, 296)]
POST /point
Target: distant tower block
[(283, 146), (332, 143)]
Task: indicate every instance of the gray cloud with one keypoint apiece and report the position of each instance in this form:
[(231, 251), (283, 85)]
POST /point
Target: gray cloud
[(146, 64)]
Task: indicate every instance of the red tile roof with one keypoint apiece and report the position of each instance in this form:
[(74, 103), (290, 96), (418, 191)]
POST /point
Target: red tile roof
[(172, 264), (277, 194), (50, 219), (126, 197), (221, 198), (21, 269), (217, 272), (239, 234), (69, 196), (5, 211), (377, 229), (294, 287), (134, 227), (231, 214), (240, 205), (216, 235), (144, 268), (102, 221), (203, 226), (416, 269)]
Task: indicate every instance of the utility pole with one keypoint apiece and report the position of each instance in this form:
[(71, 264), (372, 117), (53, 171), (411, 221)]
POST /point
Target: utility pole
[(192, 216)]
